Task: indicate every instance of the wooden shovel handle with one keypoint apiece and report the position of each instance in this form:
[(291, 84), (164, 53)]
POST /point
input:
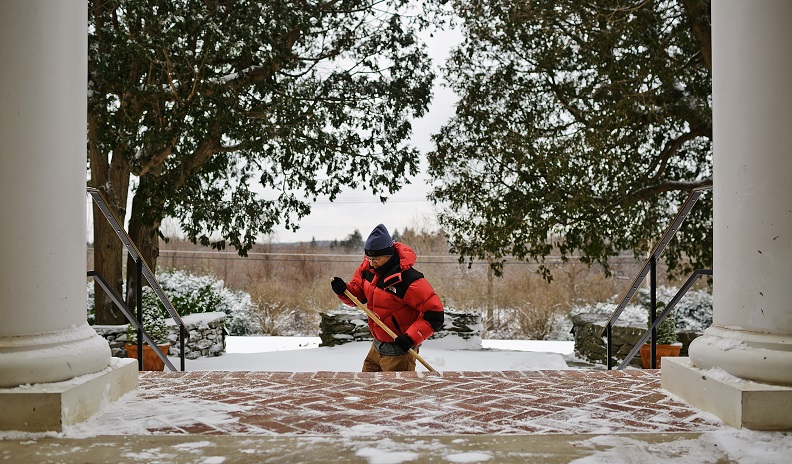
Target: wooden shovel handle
[(386, 328)]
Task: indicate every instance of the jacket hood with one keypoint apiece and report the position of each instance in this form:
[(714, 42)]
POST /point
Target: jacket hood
[(407, 256)]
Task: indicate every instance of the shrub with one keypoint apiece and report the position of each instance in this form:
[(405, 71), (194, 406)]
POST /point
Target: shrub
[(153, 320), (693, 311), (290, 310), (274, 317), (91, 309), (666, 331), (191, 294), (535, 322)]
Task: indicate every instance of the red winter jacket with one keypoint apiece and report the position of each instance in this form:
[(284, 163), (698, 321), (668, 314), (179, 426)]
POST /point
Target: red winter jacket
[(401, 298)]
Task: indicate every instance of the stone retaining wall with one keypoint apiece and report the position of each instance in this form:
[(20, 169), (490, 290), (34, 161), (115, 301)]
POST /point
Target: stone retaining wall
[(344, 326), (207, 336), (590, 343), (115, 336)]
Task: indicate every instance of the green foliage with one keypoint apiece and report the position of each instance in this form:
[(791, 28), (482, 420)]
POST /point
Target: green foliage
[(201, 100), (153, 320), (191, 294), (692, 312), (580, 129), (666, 331)]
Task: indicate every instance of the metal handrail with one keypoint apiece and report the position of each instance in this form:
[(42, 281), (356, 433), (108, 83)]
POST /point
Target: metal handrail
[(131, 318), (650, 267), (143, 270), (660, 317)]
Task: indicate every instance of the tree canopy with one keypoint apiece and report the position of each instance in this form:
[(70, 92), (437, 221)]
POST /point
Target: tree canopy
[(580, 129), (234, 114)]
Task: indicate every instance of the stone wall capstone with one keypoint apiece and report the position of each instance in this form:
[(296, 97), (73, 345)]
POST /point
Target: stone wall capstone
[(206, 330), (343, 326)]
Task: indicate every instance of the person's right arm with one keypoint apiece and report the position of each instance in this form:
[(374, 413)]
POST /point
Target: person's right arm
[(355, 287)]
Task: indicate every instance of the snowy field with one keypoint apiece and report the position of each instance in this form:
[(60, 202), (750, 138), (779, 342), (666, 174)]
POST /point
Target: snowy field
[(303, 354)]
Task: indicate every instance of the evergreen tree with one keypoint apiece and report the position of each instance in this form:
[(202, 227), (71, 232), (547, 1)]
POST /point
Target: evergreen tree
[(352, 242), (580, 129), (199, 101)]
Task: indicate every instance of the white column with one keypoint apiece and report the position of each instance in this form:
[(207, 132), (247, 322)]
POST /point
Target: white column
[(751, 334), (44, 336)]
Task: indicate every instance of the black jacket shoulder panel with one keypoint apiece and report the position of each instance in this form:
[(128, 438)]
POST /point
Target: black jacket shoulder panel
[(407, 278)]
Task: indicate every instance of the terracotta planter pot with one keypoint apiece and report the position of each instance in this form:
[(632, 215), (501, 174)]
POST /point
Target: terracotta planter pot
[(660, 351), (151, 362)]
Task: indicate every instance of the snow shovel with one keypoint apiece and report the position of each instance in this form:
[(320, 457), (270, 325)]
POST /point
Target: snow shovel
[(386, 328)]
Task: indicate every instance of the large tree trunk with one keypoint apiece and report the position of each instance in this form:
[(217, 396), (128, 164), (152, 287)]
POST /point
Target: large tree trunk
[(490, 296), (112, 179), (144, 232)]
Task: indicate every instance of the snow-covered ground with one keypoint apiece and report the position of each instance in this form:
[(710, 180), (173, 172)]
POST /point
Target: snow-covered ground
[(303, 354)]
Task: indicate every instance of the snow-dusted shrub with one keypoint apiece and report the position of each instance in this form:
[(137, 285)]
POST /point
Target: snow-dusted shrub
[(91, 309), (693, 312), (526, 321), (190, 294), (153, 320), (561, 328), (535, 322), (274, 317)]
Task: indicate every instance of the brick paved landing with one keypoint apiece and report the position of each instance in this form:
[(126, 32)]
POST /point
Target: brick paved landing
[(362, 404)]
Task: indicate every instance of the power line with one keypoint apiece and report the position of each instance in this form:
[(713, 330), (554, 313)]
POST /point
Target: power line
[(295, 257), (351, 201)]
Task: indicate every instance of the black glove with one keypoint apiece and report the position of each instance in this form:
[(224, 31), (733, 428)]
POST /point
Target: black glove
[(404, 342), (339, 286)]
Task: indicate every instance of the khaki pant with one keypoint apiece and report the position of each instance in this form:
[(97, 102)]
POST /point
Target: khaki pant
[(376, 362)]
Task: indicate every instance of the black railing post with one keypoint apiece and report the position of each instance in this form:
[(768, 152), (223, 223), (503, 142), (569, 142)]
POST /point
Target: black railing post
[(653, 309), (608, 346), (139, 306), (182, 334)]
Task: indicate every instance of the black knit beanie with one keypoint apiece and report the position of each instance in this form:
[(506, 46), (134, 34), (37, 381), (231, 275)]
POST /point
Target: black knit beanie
[(379, 242)]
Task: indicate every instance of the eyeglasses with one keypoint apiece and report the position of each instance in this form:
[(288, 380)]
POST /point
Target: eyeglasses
[(375, 258)]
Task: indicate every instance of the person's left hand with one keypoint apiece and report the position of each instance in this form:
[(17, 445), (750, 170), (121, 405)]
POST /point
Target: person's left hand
[(404, 342)]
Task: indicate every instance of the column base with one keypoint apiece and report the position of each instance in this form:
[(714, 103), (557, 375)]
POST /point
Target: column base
[(761, 357), (52, 356), (737, 402), (48, 407)]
